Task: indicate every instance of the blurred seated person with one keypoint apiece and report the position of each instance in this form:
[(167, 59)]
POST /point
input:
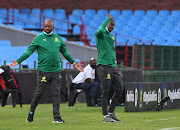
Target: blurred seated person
[(86, 80)]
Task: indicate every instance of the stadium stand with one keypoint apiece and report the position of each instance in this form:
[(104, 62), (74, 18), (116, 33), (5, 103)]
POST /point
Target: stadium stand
[(135, 24)]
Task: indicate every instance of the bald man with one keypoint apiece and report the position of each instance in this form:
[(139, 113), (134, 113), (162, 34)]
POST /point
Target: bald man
[(86, 80), (48, 46)]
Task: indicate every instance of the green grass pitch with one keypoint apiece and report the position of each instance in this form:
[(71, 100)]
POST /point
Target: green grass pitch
[(87, 118)]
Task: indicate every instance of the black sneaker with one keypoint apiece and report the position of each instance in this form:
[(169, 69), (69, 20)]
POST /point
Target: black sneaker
[(108, 119), (30, 117), (113, 117), (58, 120)]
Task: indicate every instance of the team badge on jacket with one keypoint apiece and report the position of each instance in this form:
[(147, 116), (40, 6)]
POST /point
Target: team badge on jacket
[(56, 39)]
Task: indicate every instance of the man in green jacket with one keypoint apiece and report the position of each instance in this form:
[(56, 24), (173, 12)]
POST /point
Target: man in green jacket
[(48, 45), (109, 75)]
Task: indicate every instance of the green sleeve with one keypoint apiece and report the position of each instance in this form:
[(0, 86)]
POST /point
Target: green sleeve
[(99, 32), (65, 53), (32, 47)]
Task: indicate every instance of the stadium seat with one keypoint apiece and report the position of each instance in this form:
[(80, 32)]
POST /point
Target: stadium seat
[(102, 13), (160, 41), (139, 12), (5, 43), (60, 14), (122, 19), (36, 11), (86, 19), (172, 41), (90, 12), (13, 10), (115, 13), (151, 13), (48, 12), (133, 40), (92, 41), (25, 11), (77, 12), (164, 13), (127, 12), (74, 19), (121, 40), (60, 11), (175, 13), (76, 30)]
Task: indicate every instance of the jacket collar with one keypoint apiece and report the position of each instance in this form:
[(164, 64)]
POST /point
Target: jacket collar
[(107, 29)]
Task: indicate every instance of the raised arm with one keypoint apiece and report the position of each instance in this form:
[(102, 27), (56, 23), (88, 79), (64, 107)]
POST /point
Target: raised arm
[(103, 25)]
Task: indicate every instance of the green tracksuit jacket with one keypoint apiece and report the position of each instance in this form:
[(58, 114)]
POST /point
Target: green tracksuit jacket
[(48, 48), (105, 45)]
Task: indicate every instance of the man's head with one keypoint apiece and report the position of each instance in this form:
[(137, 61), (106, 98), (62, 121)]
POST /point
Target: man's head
[(48, 26), (93, 62), (111, 25)]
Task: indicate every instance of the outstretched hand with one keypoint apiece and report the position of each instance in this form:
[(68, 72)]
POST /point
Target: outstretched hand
[(110, 16), (78, 67), (14, 63)]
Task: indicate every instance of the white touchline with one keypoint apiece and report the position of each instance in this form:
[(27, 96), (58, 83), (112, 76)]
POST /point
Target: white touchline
[(160, 119), (171, 128)]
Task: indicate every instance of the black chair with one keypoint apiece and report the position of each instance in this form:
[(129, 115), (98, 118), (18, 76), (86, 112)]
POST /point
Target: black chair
[(13, 92), (73, 93)]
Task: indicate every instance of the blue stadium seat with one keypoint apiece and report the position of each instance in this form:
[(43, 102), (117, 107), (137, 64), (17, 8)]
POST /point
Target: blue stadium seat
[(126, 31), (25, 11), (152, 13), (102, 12), (6, 43), (147, 39), (164, 13), (13, 10), (159, 41), (76, 30), (74, 19), (48, 12), (133, 40), (93, 41), (115, 13), (60, 14), (173, 41), (175, 13), (175, 33), (60, 11), (172, 20), (139, 12), (123, 20), (77, 12), (90, 12), (127, 12), (90, 31), (3, 13), (36, 11), (86, 19), (121, 40)]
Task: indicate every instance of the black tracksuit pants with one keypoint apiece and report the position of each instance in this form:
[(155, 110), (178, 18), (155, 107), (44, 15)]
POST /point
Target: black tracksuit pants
[(109, 77), (54, 80)]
